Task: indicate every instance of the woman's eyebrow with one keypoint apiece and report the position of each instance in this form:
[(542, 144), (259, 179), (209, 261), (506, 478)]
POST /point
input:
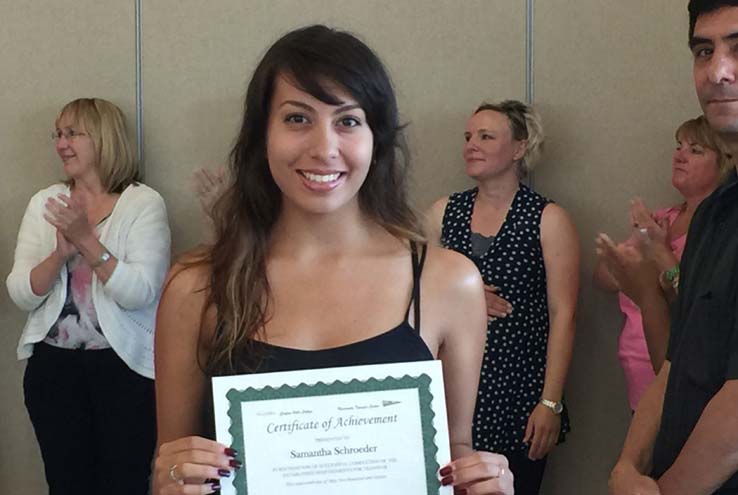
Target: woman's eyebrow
[(297, 104), (300, 104), (346, 108)]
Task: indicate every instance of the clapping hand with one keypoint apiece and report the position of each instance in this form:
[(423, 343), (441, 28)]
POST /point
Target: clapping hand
[(64, 248), (208, 186), (654, 236), (634, 273), (69, 216), (643, 220)]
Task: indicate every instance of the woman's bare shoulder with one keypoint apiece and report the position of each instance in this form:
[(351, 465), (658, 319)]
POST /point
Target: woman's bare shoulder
[(183, 308), (435, 212), (189, 276), (555, 216), (452, 273), (438, 207), (453, 295)]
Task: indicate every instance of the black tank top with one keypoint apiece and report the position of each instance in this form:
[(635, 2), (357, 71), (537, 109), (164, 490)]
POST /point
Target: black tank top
[(402, 343)]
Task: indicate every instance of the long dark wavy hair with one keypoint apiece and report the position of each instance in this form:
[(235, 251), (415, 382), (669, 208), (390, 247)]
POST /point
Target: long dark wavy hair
[(246, 213)]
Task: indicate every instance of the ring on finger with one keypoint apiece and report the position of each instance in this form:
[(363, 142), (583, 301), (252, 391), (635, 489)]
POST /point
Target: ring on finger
[(174, 476)]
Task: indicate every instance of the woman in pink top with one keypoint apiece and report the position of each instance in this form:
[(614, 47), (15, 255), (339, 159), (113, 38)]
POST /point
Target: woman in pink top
[(698, 165)]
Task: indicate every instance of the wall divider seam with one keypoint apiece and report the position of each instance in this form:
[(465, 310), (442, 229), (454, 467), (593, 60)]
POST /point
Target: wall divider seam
[(529, 66), (529, 69), (139, 87)]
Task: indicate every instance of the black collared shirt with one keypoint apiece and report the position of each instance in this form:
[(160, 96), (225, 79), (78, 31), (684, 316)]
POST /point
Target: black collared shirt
[(703, 344)]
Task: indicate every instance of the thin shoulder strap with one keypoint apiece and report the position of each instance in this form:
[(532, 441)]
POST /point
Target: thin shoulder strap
[(417, 271)]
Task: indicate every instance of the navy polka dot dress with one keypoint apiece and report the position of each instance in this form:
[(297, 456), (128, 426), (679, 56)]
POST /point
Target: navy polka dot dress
[(514, 361)]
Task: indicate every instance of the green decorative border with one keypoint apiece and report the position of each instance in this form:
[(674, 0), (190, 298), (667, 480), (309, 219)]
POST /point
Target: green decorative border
[(420, 383)]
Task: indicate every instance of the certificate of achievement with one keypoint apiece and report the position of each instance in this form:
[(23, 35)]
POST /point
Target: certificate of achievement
[(359, 430)]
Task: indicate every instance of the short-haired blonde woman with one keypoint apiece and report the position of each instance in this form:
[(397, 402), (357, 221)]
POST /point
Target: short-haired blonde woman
[(698, 165), (91, 257), (527, 251)]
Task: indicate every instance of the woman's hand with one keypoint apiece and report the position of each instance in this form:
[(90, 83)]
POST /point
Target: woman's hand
[(208, 186), (192, 465), (497, 307), (480, 473), (542, 432), (652, 235), (69, 216), (635, 275), (641, 218), (64, 249)]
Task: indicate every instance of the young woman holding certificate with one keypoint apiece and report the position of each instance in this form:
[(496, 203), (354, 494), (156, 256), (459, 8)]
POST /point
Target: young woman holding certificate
[(318, 261)]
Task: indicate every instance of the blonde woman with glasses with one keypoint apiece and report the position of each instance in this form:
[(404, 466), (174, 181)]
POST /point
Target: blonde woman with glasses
[(91, 257)]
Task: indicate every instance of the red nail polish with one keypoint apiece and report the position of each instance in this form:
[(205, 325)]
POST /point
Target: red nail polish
[(447, 480), (230, 452), (224, 473), (445, 471), (235, 464), (460, 491), (215, 486)]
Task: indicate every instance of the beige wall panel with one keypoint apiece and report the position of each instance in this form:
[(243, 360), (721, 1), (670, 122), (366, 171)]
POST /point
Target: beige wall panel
[(198, 58), (613, 81), (52, 52)]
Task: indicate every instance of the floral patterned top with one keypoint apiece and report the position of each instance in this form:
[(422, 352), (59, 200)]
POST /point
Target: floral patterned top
[(77, 326)]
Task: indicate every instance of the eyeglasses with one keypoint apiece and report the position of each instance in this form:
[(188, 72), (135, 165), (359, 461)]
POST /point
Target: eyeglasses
[(70, 134)]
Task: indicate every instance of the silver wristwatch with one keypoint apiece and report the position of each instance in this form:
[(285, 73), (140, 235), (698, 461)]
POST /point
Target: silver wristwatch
[(556, 407), (103, 258)]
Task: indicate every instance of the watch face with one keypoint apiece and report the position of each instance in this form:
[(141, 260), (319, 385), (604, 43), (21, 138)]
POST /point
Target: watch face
[(558, 408)]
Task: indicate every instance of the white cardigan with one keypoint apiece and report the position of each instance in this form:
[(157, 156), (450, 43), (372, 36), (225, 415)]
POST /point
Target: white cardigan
[(137, 234)]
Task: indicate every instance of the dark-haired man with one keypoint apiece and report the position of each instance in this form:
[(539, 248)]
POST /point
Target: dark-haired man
[(684, 436)]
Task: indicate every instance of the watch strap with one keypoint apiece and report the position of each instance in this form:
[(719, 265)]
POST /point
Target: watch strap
[(556, 407), (103, 258)]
